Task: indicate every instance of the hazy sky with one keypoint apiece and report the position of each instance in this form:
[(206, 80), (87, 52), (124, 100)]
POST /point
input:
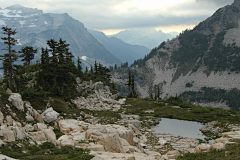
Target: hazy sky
[(116, 15)]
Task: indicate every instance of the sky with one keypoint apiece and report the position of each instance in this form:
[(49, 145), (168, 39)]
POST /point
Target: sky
[(112, 16)]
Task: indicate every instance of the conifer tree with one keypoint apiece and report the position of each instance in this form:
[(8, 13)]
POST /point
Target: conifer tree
[(10, 57), (129, 84), (53, 60), (27, 54), (79, 68)]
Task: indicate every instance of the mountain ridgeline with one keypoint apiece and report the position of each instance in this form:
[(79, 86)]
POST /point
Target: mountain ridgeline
[(35, 28), (202, 60)]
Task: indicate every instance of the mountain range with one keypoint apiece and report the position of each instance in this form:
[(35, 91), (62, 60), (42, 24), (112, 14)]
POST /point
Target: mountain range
[(148, 37), (200, 65), (123, 51), (35, 27)]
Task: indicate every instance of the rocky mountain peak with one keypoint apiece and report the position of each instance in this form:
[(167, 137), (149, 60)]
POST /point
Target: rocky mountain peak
[(19, 11), (15, 7)]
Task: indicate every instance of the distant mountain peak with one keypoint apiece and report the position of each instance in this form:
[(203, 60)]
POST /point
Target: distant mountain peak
[(15, 7)]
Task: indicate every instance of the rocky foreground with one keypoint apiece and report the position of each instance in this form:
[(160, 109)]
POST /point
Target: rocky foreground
[(125, 140)]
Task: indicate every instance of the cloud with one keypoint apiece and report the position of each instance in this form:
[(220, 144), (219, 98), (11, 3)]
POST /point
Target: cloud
[(126, 14), (218, 3)]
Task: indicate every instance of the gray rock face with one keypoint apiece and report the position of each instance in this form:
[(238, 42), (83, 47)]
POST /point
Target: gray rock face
[(50, 115), (16, 100), (172, 79), (32, 112)]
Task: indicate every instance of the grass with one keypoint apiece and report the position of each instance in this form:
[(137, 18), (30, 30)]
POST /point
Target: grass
[(187, 111), (45, 151)]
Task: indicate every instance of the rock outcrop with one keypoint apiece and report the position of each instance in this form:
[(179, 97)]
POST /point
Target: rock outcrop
[(99, 97)]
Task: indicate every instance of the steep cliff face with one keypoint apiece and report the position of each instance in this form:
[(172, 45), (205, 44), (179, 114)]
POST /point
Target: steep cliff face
[(207, 56), (35, 28)]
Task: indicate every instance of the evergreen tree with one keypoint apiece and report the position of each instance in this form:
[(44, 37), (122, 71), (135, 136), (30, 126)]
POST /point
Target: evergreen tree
[(91, 70), (27, 54), (96, 68), (115, 66), (53, 60), (79, 68), (10, 57), (129, 84)]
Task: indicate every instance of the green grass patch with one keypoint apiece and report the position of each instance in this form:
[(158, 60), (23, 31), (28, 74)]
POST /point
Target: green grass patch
[(45, 151), (188, 111)]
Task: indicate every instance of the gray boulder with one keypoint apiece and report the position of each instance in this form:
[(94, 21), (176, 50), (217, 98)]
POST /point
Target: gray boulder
[(16, 100), (50, 115)]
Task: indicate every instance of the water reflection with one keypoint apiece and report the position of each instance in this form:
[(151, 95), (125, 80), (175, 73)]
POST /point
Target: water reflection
[(179, 127)]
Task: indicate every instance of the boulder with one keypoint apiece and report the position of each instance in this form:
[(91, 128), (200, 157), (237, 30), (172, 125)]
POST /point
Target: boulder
[(92, 133), (134, 129), (122, 102), (221, 140), (217, 146), (29, 118), (228, 134), (78, 80), (162, 141), (77, 136), (38, 136), (29, 127), (67, 126), (16, 100), (202, 148), (126, 134), (9, 120), (34, 113), (9, 135), (136, 123), (39, 126), (50, 135), (112, 143), (66, 140), (50, 115), (20, 133)]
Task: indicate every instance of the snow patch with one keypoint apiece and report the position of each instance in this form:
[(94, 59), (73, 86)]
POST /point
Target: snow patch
[(18, 42), (5, 12), (45, 22), (32, 25), (22, 23), (84, 58)]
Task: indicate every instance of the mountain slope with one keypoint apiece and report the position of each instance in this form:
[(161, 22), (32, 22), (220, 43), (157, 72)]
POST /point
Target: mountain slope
[(148, 37), (123, 51), (35, 28), (202, 61)]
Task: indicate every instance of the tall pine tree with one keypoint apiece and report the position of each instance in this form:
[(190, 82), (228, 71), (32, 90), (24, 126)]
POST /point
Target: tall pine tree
[(10, 57)]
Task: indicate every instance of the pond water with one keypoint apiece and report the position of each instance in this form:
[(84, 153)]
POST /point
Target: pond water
[(179, 127)]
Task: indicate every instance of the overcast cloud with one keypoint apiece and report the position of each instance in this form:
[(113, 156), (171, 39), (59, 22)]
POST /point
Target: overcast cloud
[(126, 14)]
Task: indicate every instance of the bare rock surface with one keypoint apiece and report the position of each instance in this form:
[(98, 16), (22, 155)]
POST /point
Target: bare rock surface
[(16, 100), (49, 115)]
